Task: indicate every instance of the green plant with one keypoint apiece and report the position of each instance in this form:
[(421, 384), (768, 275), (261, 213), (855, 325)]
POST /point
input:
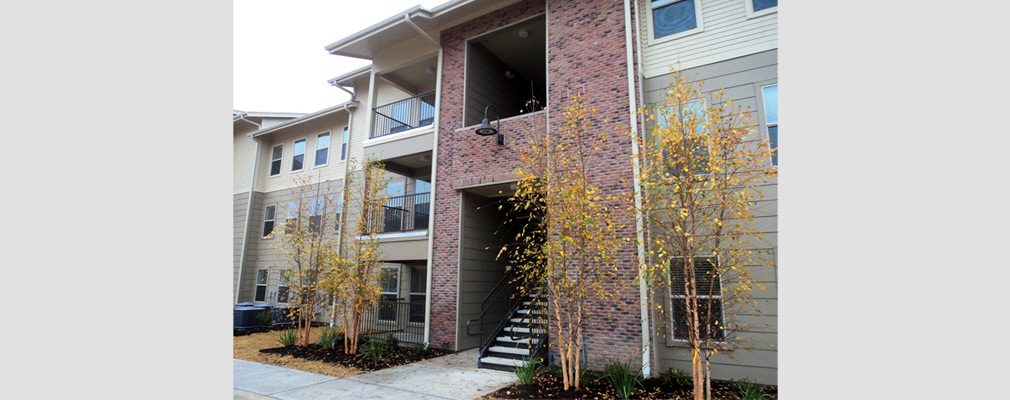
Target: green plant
[(391, 343), (677, 379), (288, 337), (625, 380), (751, 391), (330, 338), (527, 370), (375, 350), (264, 318), (420, 349)]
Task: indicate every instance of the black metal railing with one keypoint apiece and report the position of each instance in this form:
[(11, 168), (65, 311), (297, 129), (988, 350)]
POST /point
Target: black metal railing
[(402, 319), (403, 214), (403, 115), (496, 307)]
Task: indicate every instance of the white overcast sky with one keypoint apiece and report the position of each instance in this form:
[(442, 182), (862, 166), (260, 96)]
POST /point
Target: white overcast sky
[(278, 55)]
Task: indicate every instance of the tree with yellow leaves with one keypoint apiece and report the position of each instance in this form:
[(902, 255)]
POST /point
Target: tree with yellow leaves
[(352, 273), (570, 248), (702, 168)]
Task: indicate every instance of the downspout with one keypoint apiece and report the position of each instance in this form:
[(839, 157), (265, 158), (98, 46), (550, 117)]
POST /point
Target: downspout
[(434, 190), (249, 208), (340, 235), (639, 232)]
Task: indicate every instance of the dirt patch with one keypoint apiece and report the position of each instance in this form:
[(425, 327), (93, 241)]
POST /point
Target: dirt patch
[(399, 356), (247, 347), (548, 386)]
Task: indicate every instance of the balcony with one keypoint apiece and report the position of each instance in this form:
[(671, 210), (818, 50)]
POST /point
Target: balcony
[(404, 115), (403, 214)]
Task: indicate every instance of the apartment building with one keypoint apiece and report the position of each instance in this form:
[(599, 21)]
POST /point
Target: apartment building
[(436, 76)]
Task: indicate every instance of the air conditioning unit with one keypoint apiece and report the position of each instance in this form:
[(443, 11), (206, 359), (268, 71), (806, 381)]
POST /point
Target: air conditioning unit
[(245, 316)]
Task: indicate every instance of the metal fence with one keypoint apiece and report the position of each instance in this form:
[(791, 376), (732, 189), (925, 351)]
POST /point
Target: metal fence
[(402, 319), (404, 214), (403, 115)]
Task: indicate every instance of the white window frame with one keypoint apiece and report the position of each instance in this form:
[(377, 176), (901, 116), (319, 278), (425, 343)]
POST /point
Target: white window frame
[(384, 293), (671, 337), (411, 293), (764, 117), (339, 209), (754, 14), (704, 106), (321, 209), (652, 33), (344, 146), (315, 155), (294, 147), (265, 220), (272, 160), (266, 280), (292, 208), (284, 281)]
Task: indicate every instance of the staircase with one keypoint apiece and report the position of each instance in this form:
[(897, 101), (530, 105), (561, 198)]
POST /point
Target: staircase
[(512, 325)]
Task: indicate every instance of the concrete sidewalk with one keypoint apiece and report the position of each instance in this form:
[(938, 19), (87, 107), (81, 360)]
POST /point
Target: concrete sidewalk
[(449, 377)]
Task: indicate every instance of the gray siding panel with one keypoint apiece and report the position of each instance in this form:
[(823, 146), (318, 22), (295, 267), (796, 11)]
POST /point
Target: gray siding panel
[(479, 272)]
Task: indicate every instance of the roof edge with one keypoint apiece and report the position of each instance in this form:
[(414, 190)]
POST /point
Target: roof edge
[(305, 118), (340, 79)]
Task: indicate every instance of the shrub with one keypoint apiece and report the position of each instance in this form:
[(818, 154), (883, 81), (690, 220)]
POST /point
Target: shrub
[(527, 370), (391, 343), (330, 338), (264, 318), (751, 391), (375, 350), (677, 379), (625, 380), (420, 349), (288, 337)]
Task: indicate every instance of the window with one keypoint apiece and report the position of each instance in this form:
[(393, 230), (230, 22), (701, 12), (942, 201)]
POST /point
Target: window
[(670, 17), (268, 221), (275, 160), (291, 218), (770, 96), (763, 4), (418, 292), (390, 283), (340, 205), (298, 161), (343, 145), (709, 291), (282, 287), (316, 215), (322, 149), (261, 285), (693, 112)]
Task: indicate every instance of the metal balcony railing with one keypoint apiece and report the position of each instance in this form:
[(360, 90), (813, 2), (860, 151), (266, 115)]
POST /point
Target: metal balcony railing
[(403, 115), (403, 214), (397, 317)]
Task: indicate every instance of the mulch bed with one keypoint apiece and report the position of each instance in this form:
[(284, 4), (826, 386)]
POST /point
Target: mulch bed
[(401, 356), (261, 329), (548, 386)]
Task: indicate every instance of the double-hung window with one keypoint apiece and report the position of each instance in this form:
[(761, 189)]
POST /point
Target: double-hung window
[(291, 219), (282, 287), (390, 283), (339, 210), (298, 161), (275, 159), (418, 292), (316, 215), (268, 220), (343, 144), (770, 97), (694, 118), (322, 149), (671, 17), (261, 285), (709, 293)]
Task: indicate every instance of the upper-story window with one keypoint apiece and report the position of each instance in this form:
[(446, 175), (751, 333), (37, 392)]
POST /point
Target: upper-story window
[(343, 145), (770, 97), (322, 148), (674, 17), (268, 220), (298, 161), (693, 114), (316, 215), (275, 159), (757, 8), (764, 4)]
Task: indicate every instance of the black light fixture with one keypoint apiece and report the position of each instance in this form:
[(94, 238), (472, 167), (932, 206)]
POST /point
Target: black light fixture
[(485, 128)]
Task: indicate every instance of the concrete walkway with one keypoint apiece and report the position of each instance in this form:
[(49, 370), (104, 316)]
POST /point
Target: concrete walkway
[(450, 377)]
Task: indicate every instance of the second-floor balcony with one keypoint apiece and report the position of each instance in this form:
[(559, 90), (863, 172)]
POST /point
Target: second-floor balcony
[(403, 214), (404, 115)]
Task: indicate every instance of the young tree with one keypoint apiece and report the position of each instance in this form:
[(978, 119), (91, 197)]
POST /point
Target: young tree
[(306, 245), (703, 167), (571, 248), (353, 272)]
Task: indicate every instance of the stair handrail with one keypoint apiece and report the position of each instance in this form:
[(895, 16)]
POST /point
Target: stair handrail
[(496, 292)]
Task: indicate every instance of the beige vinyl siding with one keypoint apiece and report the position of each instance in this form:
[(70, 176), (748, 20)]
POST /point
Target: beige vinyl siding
[(359, 128), (334, 168), (243, 154), (728, 33)]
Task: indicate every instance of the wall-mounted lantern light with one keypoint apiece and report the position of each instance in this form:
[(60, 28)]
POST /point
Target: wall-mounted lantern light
[(485, 128)]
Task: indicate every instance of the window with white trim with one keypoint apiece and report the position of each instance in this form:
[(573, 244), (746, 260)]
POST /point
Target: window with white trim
[(708, 286), (268, 220), (693, 113), (343, 145), (671, 17), (339, 210), (770, 97), (759, 5), (282, 286), (316, 215), (418, 292), (322, 149), (275, 159), (298, 160), (291, 219), (261, 285), (389, 280)]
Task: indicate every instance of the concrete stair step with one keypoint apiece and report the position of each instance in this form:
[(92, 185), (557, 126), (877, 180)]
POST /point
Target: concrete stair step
[(509, 350), (506, 339), (522, 330), (508, 362), (527, 311), (539, 321)]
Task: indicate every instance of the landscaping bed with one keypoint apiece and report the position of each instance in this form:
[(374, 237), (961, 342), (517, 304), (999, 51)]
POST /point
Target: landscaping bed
[(548, 385), (261, 329), (248, 346), (392, 356)]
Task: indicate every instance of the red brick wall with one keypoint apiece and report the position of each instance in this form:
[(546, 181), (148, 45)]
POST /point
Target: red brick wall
[(586, 54)]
